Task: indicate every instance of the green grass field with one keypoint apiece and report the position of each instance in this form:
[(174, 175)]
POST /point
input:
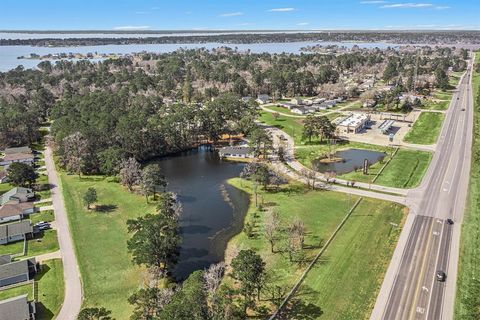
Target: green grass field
[(292, 126), (426, 129), (405, 170), (100, 237), (366, 240), (41, 244), (50, 290), (47, 216), (467, 303), (436, 105)]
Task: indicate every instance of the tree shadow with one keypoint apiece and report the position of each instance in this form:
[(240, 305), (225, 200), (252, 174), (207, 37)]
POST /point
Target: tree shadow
[(299, 309), (105, 208)]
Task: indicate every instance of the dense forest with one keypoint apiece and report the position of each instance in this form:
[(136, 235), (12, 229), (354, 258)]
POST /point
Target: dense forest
[(148, 105), (397, 37)]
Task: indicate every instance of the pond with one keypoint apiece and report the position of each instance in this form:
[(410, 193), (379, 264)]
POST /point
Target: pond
[(352, 159), (213, 211)]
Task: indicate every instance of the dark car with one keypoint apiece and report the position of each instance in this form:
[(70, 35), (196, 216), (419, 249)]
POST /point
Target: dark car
[(441, 276), (449, 221)]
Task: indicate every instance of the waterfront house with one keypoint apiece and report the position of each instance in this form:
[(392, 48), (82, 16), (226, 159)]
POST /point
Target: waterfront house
[(17, 231), (17, 308), (236, 152)]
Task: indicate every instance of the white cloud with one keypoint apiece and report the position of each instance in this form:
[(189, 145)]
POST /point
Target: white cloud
[(282, 9), (442, 7), (373, 2), (407, 5), (131, 28), (231, 14), (303, 23)]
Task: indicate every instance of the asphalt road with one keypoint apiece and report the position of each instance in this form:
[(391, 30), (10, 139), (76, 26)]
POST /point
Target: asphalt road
[(428, 243), (73, 287)]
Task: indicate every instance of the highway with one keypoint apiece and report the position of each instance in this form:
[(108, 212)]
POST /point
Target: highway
[(428, 243)]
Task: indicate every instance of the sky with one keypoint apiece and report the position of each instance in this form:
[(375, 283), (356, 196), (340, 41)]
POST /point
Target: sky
[(238, 14)]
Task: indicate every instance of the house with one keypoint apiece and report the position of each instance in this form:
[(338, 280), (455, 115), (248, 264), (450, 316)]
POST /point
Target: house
[(236, 152), (15, 211), (17, 308), (17, 231), (17, 195), (299, 110), (17, 150), (263, 98), (246, 99), (297, 101), (17, 272), (26, 158), (354, 123)]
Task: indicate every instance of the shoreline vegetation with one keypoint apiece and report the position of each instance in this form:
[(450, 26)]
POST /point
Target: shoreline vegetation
[(397, 37)]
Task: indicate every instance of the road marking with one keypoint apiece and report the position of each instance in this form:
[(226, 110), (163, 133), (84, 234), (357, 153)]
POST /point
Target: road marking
[(420, 310)]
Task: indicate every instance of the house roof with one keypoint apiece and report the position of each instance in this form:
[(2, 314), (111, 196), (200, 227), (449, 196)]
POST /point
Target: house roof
[(16, 308), (236, 150), (15, 229), (18, 156), (14, 209), (15, 193), (17, 150), (4, 259), (14, 269)]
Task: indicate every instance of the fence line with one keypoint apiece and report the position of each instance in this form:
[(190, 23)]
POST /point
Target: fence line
[(314, 261)]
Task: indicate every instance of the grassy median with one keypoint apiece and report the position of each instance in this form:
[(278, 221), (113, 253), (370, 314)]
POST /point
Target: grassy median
[(467, 304), (100, 238), (426, 129), (345, 281)]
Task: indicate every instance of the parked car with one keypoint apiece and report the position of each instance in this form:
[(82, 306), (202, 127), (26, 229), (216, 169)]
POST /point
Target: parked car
[(441, 276)]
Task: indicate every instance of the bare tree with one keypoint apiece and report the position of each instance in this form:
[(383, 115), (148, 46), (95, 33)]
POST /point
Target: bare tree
[(311, 177), (295, 239), (212, 280), (74, 151), (130, 173), (272, 226)]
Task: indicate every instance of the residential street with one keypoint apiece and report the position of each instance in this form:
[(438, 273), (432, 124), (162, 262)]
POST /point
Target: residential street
[(73, 286)]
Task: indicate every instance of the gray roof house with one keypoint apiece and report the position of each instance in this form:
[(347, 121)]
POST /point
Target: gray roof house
[(3, 176), (17, 150), (17, 308), (17, 272), (15, 231), (236, 152), (17, 195)]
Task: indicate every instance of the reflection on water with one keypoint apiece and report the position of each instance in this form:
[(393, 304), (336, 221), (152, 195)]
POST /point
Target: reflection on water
[(352, 159), (213, 211)]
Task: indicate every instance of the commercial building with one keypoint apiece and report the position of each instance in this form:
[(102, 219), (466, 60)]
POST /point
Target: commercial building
[(354, 123)]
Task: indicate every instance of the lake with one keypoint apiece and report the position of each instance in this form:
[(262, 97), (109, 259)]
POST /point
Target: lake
[(352, 159), (9, 54), (213, 211)]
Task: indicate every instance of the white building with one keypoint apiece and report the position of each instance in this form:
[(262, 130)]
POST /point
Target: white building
[(354, 123)]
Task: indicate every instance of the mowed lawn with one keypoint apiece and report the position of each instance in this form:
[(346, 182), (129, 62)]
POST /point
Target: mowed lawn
[(49, 282), (347, 279), (370, 246), (405, 170), (100, 237), (426, 129)]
